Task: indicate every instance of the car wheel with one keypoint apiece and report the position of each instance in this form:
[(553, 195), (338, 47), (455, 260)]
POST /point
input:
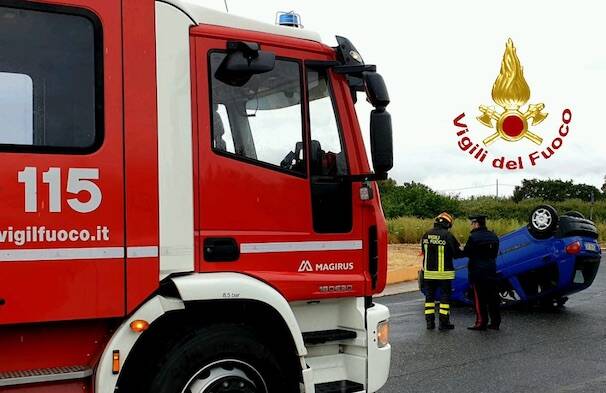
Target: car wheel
[(221, 359), (574, 213), (543, 221)]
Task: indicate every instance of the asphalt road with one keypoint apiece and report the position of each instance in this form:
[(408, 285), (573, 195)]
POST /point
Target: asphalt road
[(535, 351)]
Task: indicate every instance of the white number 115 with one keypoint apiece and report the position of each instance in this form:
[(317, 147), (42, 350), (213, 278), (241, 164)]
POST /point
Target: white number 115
[(78, 180)]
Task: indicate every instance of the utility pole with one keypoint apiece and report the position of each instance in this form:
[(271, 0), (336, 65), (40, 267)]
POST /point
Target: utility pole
[(592, 203)]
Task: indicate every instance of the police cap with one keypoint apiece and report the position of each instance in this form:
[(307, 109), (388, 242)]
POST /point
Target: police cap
[(479, 218)]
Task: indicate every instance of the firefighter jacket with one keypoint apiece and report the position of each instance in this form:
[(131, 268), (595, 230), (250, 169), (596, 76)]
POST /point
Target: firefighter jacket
[(482, 249), (439, 248)]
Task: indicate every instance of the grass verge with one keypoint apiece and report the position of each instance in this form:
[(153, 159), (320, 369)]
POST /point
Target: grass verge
[(409, 230)]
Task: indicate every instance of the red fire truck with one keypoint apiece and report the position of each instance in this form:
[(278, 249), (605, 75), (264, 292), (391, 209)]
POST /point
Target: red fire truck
[(187, 205)]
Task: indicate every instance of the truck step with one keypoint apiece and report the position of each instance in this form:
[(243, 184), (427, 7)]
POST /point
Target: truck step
[(40, 375), (339, 387), (323, 336)]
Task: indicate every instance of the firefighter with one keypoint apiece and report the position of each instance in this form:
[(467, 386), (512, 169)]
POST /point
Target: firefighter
[(439, 247), (482, 249)]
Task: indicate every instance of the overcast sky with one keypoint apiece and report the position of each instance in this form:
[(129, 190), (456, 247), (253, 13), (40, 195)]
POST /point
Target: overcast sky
[(441, 58)]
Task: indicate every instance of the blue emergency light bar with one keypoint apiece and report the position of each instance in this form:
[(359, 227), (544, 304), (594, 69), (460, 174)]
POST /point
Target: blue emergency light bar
[(290, 19)]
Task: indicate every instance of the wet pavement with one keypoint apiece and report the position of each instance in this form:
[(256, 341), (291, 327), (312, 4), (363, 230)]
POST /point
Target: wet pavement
[(535, 351)]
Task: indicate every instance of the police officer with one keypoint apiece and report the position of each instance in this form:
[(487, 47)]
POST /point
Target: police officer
[(439, 247), (482, 249)]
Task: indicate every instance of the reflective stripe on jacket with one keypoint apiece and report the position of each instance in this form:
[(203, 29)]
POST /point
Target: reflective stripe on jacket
[(439, 248)]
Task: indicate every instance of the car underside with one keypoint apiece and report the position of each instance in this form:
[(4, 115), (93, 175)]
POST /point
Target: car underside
[(542, 263)]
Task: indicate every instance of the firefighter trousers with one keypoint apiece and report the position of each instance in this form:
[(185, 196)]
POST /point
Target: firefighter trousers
[(431, 289)]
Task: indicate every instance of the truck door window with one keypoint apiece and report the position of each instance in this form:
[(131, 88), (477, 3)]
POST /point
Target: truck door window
[(50, 82), (263, 116), (327, 155), (331, 193)]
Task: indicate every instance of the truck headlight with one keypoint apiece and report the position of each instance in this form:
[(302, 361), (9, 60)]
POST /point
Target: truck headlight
[(383, 334)]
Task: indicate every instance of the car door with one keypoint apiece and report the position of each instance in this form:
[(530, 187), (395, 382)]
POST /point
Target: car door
[(62, 210), (259, 211)]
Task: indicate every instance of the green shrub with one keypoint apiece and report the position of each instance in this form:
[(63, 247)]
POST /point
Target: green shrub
[(506, 208), (411, 229), (411, 208), (555, 190), (414, 199), (417, 200), (407, 229)]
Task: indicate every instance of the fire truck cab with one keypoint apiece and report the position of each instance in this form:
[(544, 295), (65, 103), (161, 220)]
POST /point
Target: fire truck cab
[(187, 205)]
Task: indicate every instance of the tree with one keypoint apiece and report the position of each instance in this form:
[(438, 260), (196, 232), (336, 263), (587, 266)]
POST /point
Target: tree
[(604, 185), (414, 199), (555, 190), (387, 186)]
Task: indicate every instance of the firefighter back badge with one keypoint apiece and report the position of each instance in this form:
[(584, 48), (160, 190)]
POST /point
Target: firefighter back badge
[(512, 119)]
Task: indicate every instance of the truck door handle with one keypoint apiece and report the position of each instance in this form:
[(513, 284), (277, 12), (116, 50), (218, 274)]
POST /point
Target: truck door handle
[(221, 249)]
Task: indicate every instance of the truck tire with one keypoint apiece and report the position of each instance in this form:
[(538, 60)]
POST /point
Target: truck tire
[(221, 359), (543, 221)]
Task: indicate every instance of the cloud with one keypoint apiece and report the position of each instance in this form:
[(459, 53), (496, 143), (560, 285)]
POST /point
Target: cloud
[(439, 64)]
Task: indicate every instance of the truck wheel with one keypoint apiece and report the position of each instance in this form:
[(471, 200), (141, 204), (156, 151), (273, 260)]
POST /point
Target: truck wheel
[(543, 221), (221, 359)]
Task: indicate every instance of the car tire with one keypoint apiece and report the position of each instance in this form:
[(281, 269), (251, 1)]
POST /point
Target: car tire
[(574, 213), (543, 221), (222, 358)]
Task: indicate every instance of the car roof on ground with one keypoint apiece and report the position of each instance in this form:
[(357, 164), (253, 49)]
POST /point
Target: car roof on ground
[(203, 15)]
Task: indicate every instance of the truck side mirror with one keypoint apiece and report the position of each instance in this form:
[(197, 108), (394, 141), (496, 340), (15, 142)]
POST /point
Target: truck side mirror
[(376, 91), (381, 140), (244, 60), (239, 62)]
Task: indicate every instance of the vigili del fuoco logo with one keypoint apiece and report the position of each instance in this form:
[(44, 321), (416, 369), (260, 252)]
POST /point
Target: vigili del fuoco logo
[(511, 120)]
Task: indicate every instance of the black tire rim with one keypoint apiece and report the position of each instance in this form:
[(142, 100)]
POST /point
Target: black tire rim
[(226, 376)]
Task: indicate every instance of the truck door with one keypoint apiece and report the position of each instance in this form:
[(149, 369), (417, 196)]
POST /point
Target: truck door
[(271, 203), (61, 181)]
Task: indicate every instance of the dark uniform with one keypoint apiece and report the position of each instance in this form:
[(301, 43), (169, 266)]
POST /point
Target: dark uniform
[(439, 247), (482, 249)]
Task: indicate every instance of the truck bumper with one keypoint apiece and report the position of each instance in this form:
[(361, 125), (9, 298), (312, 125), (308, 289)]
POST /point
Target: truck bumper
[(355, 362), (379, 359)]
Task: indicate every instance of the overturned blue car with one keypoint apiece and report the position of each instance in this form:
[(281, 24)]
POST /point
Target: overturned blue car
[(542, 263)]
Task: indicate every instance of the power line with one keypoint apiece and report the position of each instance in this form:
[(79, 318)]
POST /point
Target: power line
[(476, 187)]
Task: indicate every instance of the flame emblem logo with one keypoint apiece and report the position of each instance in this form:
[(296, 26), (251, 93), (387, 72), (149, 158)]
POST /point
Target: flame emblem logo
[(511, 92)]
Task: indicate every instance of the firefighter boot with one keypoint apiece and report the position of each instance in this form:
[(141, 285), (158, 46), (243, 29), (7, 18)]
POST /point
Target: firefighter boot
[(445, 323), (430, 315), (431, 321)]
